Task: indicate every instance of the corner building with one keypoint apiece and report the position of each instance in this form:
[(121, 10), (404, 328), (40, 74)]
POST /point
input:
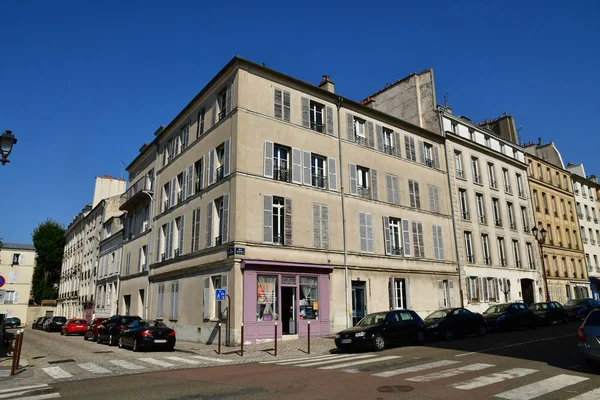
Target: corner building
[(249, 196)]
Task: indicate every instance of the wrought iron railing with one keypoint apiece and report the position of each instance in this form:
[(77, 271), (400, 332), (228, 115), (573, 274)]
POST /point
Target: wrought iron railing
[(282, 173), (319, 181), (362, 140), (220, 173), (364, 192), (317, 126)]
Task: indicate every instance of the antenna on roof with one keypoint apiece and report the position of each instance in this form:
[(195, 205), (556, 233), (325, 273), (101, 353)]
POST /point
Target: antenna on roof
[(445, 99), (122, 162)]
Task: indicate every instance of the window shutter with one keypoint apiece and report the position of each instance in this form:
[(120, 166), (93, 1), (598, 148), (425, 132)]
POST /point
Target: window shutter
[(16, 297), (307, 170), (325, 226), (436, 157), (184, 184), (431, 198), (415, 236), (329, 120), (305, 116), (411, 193), (296, 165), (477, 291), (268, 167), (440, 242), (395, 190), (371, 135), (202, 171), (171, 237), (407, 146), (278, 104), (389, 188), (21, 259), (139, 268), (436, 199), (206, 298), (190, 180), (267, 219), (374, 190), (160, 198), (379, 132), (211, 167), (209, 223), (386, 235), (436, 251), (353, 182), (198, 225), (173, 200), (316, 209), (193, 243), (158, 246), (451, 293), (406, 237), (181, 235), (225, 221), (422, 152), (288, 222), (469, 289), (350, 126), (214, 112), (287, 107), (440, 289), (370, 234), (392, 291), (228, 99), (397, 151), (331, 168), (362, 232), (417, 195), (227, 158), (12, 275), (486, 293)]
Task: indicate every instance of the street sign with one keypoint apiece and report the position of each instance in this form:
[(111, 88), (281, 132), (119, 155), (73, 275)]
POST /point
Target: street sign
[(2, 281), (220, 294), (240, 250)]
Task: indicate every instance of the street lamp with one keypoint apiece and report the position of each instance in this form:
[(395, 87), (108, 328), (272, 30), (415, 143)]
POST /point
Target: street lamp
[(7, 140), (540, 237)]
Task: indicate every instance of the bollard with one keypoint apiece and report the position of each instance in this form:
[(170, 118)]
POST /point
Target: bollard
[(308, 336), (15, 360), (20, 347), (242, 348), (219, 348), (275, 338)]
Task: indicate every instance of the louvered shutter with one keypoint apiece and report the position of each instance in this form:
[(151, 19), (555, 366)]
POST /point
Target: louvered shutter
[(350, 127), (370, 134), (395, 190), (407, 146), (288, 222), (160, 199), (329, 120), (436, 250), (305, 111), (211, 167), (287, 107), (324, 226), (296, 165), (415, 236), (362, 231), (386, 235), (478, 293), (316, 217), (193, 237), (171, 237), (184, 184), (379, 132), (209, 223), (190, 180), (278, 104), (228, 99), (268, 167), (486, 294), (406, 237), (441, 294), (12, 275), (158, 246), (370, 234), (21, 259), (436, 199), (225, 222), (411, 193), (451, 292), (393, 300), (421, 241), (227, 158), (389, 188), (202, 171), (417, 195), (198, 226), (353, 182), (306, 166), (440, 236), (422, 152), (16, 297), (431, 198), (332, 169), (206, 298), (173, 200), (267, 219), (374, 189), (397, 151), (436, 157)]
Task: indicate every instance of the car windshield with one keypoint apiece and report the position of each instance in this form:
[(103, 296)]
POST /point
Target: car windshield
[(497, 309), (60, 319), (79, 321), (153, 324), (437, 315), (372, 319), (576, 303), (540, 306)]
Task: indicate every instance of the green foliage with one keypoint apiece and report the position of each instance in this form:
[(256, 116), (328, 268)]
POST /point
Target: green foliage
[(49, 243)]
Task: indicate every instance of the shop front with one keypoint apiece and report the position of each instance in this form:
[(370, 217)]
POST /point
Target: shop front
[(286, 295)]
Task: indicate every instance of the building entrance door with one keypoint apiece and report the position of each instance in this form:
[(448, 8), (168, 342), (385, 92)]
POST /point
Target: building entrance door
[(358, 301), (527, 291), (288, 310)]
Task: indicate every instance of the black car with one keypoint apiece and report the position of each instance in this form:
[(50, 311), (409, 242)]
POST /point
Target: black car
[(13, 322), (111, 328), (578, 309), (550, 312), (449, 323), (54, 324), (144, 334), (39, 323), (509, 316), (380, 329)]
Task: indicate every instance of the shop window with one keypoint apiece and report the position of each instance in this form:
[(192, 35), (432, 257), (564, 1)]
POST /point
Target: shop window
[(309, 297), (266, 301)]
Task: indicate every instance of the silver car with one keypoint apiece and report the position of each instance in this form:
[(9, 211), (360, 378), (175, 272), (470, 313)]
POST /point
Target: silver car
[(588, 336)]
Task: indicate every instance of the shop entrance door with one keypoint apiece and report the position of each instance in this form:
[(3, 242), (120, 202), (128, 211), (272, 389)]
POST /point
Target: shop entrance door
[(527, 291), (358, 301), (288, 310)]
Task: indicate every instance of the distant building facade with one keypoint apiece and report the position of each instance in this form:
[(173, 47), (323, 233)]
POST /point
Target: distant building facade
[(17, 262)]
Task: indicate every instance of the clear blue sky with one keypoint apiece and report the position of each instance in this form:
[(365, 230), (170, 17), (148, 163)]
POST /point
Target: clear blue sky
[(84, 84)]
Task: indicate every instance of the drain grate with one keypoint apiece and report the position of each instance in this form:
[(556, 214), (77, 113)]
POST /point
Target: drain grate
[(61, 361), (394, 389)]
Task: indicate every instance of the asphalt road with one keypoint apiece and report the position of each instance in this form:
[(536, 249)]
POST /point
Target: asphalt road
[(541, 364)]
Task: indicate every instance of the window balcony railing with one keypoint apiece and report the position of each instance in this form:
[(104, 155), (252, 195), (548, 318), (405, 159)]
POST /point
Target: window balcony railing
[(388, 149), (364, 192), (566, 274), (508, 189), (470, 258), (476, 178), (482, 219), (498, 222), (518, 263), (179, 197), (465, 215), (278, 239), (396, 251), (142, 185), (163, 257), (580, 215), (177, 252), (218, 240), (165, 205), (198, 187), (556, 273), (460, 174), (525, 229), (513, 226), (487, 260), (222, 114), (319, 181), (503, 262), (220, 173), (317, 126), (521, 193), (362, 140), (492, 184), (429, 162), (282, 174)]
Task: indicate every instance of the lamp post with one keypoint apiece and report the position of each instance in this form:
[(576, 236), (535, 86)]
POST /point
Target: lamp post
[(540, 237), (7, 141)]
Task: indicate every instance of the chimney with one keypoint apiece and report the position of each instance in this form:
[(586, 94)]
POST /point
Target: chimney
[(570, 164), (594, 178), (327, 84), (368, 102), (539, 141)]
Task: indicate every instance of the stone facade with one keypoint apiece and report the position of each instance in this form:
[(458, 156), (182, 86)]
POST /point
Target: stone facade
[(17, 262)]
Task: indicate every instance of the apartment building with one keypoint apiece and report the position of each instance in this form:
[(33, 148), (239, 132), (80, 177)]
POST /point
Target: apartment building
[(252, 196), (587, 204), (554, 211), (17, 262), (109, 267)]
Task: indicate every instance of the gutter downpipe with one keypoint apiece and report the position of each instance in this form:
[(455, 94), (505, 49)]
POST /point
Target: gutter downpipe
[(341, 172), (150, 236), (460, 283)]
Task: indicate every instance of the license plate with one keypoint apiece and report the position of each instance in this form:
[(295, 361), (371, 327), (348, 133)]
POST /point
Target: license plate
[(160, 341), (346, 341)]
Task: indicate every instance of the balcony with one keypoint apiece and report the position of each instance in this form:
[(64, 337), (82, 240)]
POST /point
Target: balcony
[(460, 174), (476, 178), (513, 226), (141, 190), (282, 173), (465, 215), (222, 114), (388, 149), (503, 262), (278, 239), (482, 219), (317, 126), (518, 264), (525, 229), (487, 260), (429, 162), (179, 197), (198, 187), (396, 251), (493, 184), (364, 192), (319, 181), (362, 140), (220, 173), (218, 240)]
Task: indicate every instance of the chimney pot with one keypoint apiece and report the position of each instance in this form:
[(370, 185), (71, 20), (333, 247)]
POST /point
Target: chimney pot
[(327, 84), (539, 141)]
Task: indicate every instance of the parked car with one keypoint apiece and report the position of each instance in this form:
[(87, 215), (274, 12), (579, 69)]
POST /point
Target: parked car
[(12, 322), (110, 329), (54, 324), (578, 309), (509, 316), (380, 329), (91, 331), (39, 323), (550, 312), (73, 326), (449, 323), (587, 336), (143, 334)]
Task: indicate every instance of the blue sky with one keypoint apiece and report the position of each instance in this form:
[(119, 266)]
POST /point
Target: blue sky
[(84, 84)]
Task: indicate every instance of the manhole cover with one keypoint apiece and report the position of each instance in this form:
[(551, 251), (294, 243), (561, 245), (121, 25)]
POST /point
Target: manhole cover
[(61, 361), (394, 389)]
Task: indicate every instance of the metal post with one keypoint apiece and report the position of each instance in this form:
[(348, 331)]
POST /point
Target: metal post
[(20, 347), (275, 338), (544, 271), (309, 337), (219, 345), (228, 340), (242, 348), (15, 361)]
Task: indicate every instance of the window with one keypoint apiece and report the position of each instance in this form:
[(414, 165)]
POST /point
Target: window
[(520, 187), (278, 220), (178, 236), (584, 191), (195, 230), (596, 262), (266, 301), (438, 242), (539, 172), (480, 208), (174, 300), (563, 210), (559, 235), (319, 176), (200, 123), (434, 200), (497, 214), (565, 182), (548, 175), (395, 236), (525, 219), (418, 244), (557, 179), (282, 108), (492, 175), (550, 234), (184, 133), (219, 206), (511, 216), (365, 230), (598, 236), (17, 259), (487, 259), (362, 182), (167, 196), (180, 188), (428, 155), (458, 165), (199, 170), (222, 104), (545, 202), (568, 237), (516, 253), (414, 194), (475, 167), (469, 247), (316, 117), (219, 162), (393, 193), (464, 205), (143, 262), (398, 293), (502, 251), (488, 142), (554, 209), (555, 264), (472, 135), (410, 148), (217, 283), (309, 297), (388, 141), (320, 226), (128, 263), (506, 179), (587, 262), (473, 288), (594, 215)]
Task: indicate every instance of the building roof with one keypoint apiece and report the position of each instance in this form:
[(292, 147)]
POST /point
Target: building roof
[(17, 246)]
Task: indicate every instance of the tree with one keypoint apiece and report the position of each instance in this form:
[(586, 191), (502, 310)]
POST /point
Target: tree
[(49, 243)]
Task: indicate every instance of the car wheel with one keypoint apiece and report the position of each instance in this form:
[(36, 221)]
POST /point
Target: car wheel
[(62, 333), (172, 348), (120, 343), (378, 342), (135, 345), (448, 335), (85, 337), (482, 330), (420, 339)]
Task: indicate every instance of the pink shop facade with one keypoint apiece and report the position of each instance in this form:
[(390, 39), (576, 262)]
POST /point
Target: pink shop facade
[(287, 295)]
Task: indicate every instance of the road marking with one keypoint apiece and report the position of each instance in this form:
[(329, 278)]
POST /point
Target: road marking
[(41, 397), (493, 378), (94, 368), (541, 388), (592, 395), (18, 391), (57, 372), (156, 362), (352, 371), (182, 360), (513, 345), (416, 368), (449, 372), (293, 360), (329, 361), (223, 360), (352, 363), (126, 365), (24, 388)]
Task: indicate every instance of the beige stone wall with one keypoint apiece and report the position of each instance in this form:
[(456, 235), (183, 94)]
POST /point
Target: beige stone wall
[(18, 280)]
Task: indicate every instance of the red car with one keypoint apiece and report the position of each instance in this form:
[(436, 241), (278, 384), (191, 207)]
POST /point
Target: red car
[(74, 326), (91, 333)]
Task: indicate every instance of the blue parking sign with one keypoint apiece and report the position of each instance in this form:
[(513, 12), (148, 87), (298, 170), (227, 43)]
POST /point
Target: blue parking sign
[(220, 294)]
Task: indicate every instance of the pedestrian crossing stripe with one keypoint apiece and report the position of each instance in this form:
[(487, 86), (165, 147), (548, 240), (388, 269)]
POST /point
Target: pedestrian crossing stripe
[(416, 368), (182, 360), (353, 363), (542, 387), (493, 378), (450, 372), (126, 364), (93, 368), (293, 360), (57, 372), (591, 395), (330, 360)]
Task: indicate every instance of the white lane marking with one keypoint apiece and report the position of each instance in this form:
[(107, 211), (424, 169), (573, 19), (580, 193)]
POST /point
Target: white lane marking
[(352, 371), (353, 363), (336, 357), (329, 361), (24, 388), (493, 378), (94, 368), (591, 395), (57, 372), (449, 372), (541, 388), (292, 360), (223, 360), (156, 362), (182, 360), (512, 345), (20, 393), (41, 397), (416, 368), (126, 365)]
